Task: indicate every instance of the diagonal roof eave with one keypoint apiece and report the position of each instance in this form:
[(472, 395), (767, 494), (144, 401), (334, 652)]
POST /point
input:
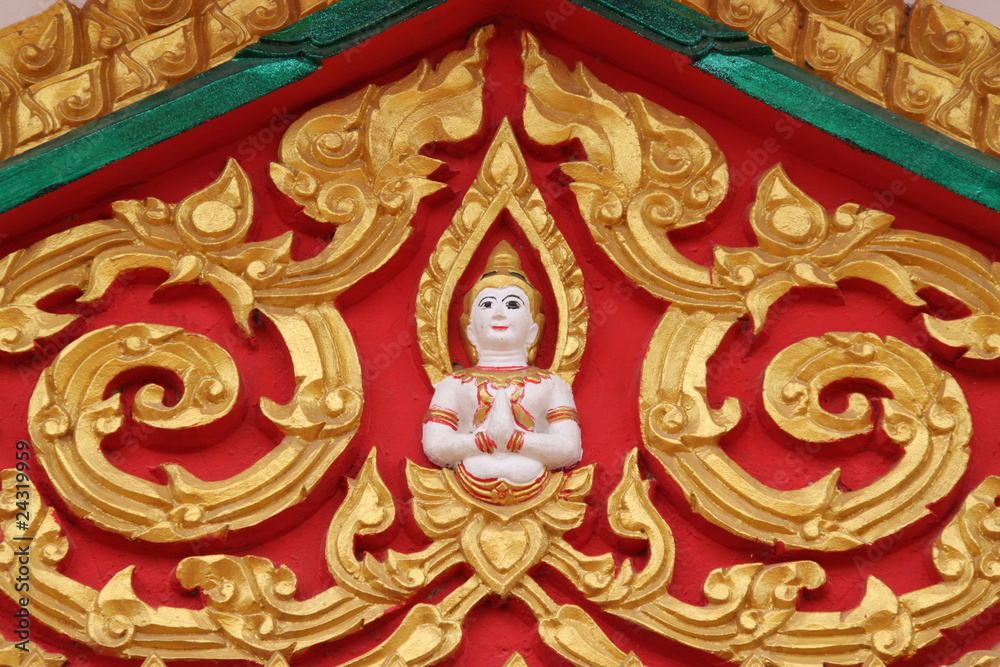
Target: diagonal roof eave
[(293, 53)]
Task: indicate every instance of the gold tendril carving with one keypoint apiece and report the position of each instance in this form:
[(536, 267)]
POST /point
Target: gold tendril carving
[(356, 164), (203, 239), (799, 244), (252, 611), (928, 417)]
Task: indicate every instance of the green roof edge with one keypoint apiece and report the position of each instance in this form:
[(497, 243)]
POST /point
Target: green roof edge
[(296, 51)]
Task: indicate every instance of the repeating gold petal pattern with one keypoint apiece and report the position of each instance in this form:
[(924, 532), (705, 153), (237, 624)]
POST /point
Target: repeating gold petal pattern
[(67, 66), (934, 64)]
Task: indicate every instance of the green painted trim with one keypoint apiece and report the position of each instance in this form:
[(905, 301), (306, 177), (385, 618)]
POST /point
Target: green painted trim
[(793, 90), (141, 125), (329, 31), (675, 26), (296, 51), (278, 60), (921, 150)]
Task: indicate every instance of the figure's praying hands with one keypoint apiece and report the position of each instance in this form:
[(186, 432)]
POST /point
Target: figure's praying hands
[(500, 423)]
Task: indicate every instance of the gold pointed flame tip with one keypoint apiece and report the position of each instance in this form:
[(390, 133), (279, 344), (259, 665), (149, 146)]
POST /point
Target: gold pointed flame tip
[(504, 260)]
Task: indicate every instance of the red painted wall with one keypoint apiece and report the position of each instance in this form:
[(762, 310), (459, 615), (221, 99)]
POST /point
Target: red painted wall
[(380, 313)]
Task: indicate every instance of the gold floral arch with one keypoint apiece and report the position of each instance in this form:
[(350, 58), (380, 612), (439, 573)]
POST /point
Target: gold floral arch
[(356, 163)]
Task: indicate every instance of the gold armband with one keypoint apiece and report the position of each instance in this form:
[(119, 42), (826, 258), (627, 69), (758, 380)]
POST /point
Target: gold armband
[(559, 414), (444, 416), (485, 443)]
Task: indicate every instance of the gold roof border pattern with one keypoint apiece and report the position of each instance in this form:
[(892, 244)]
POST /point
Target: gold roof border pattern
[(67, 66), (933, 64)]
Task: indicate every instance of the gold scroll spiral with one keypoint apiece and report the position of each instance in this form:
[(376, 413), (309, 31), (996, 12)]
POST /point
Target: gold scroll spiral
[(351, 164), (648, 172), (334, 162)]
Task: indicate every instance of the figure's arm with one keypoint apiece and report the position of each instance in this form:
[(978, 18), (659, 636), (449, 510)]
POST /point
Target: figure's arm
[(562, 445), (443, 443)]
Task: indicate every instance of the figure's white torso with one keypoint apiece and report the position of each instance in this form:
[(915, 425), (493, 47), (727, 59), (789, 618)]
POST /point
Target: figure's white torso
[(552, 446)]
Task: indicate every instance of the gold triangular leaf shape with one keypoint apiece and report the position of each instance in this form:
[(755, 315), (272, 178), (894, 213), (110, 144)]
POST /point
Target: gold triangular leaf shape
[(515, 660), (276, 660), (154, 660)]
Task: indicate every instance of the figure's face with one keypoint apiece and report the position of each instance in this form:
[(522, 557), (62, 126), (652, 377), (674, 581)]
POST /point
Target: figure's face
[(501, 320)]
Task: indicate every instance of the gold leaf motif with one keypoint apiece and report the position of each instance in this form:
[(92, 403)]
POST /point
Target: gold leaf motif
[(201, 239), (576, 636), (647, 171), (947, 39), (846, 57), (368, 509), (570, 631), (772, 22), (153, 63), (355, 163), (428, 634), (41, 46), (230, 24), (63, 101), (934, 97), (631, 515), (800, 245), (503, 183), (786, 220), (881, 20)]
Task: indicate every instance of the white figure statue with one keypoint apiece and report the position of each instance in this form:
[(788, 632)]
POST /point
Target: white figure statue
[(502, 424)]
